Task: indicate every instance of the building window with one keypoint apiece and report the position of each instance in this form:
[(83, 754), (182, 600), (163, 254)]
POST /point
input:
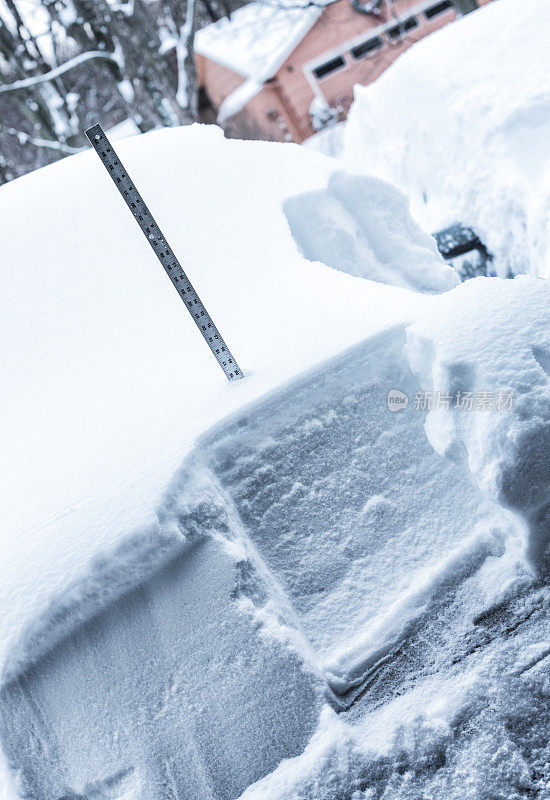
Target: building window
[(438, 8), (328, 67), (397, 31), (366, 48)]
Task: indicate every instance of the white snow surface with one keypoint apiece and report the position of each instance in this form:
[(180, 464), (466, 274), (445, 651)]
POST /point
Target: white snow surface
[(217, 570), (461, 124)]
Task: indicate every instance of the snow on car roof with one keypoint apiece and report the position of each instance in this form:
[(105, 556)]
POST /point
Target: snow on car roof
[(105, 379), (258, 37)]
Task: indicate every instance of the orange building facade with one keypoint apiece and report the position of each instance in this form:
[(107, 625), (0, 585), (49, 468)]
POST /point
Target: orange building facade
[(341, 48)]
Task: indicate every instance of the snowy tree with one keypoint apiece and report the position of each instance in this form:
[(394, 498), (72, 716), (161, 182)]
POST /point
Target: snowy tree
[(64, 64)]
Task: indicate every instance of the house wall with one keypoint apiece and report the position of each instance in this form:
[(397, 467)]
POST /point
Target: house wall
[(264, 117), (339, 30), (218, 81), (280, 112)]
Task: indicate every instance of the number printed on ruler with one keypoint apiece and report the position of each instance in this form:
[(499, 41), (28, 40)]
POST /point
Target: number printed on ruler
[(164, 253)]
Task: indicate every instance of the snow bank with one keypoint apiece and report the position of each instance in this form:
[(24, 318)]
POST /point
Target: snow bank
[(461, 124)]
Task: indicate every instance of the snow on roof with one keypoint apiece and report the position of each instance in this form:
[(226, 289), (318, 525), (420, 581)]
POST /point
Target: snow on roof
[(258, 38), (237, 99)]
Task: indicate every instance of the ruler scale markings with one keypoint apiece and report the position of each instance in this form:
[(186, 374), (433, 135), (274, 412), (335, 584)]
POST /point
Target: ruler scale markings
[(164, 252)]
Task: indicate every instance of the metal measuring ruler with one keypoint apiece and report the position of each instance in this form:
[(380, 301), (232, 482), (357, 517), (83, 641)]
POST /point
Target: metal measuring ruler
[(163, 252)]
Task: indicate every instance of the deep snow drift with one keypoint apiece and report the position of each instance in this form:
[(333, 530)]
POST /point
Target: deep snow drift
[(281, 588), (461, 124)]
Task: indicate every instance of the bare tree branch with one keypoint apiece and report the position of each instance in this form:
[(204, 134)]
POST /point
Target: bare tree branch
[(55, 73), (187, 76), (26, 138)]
